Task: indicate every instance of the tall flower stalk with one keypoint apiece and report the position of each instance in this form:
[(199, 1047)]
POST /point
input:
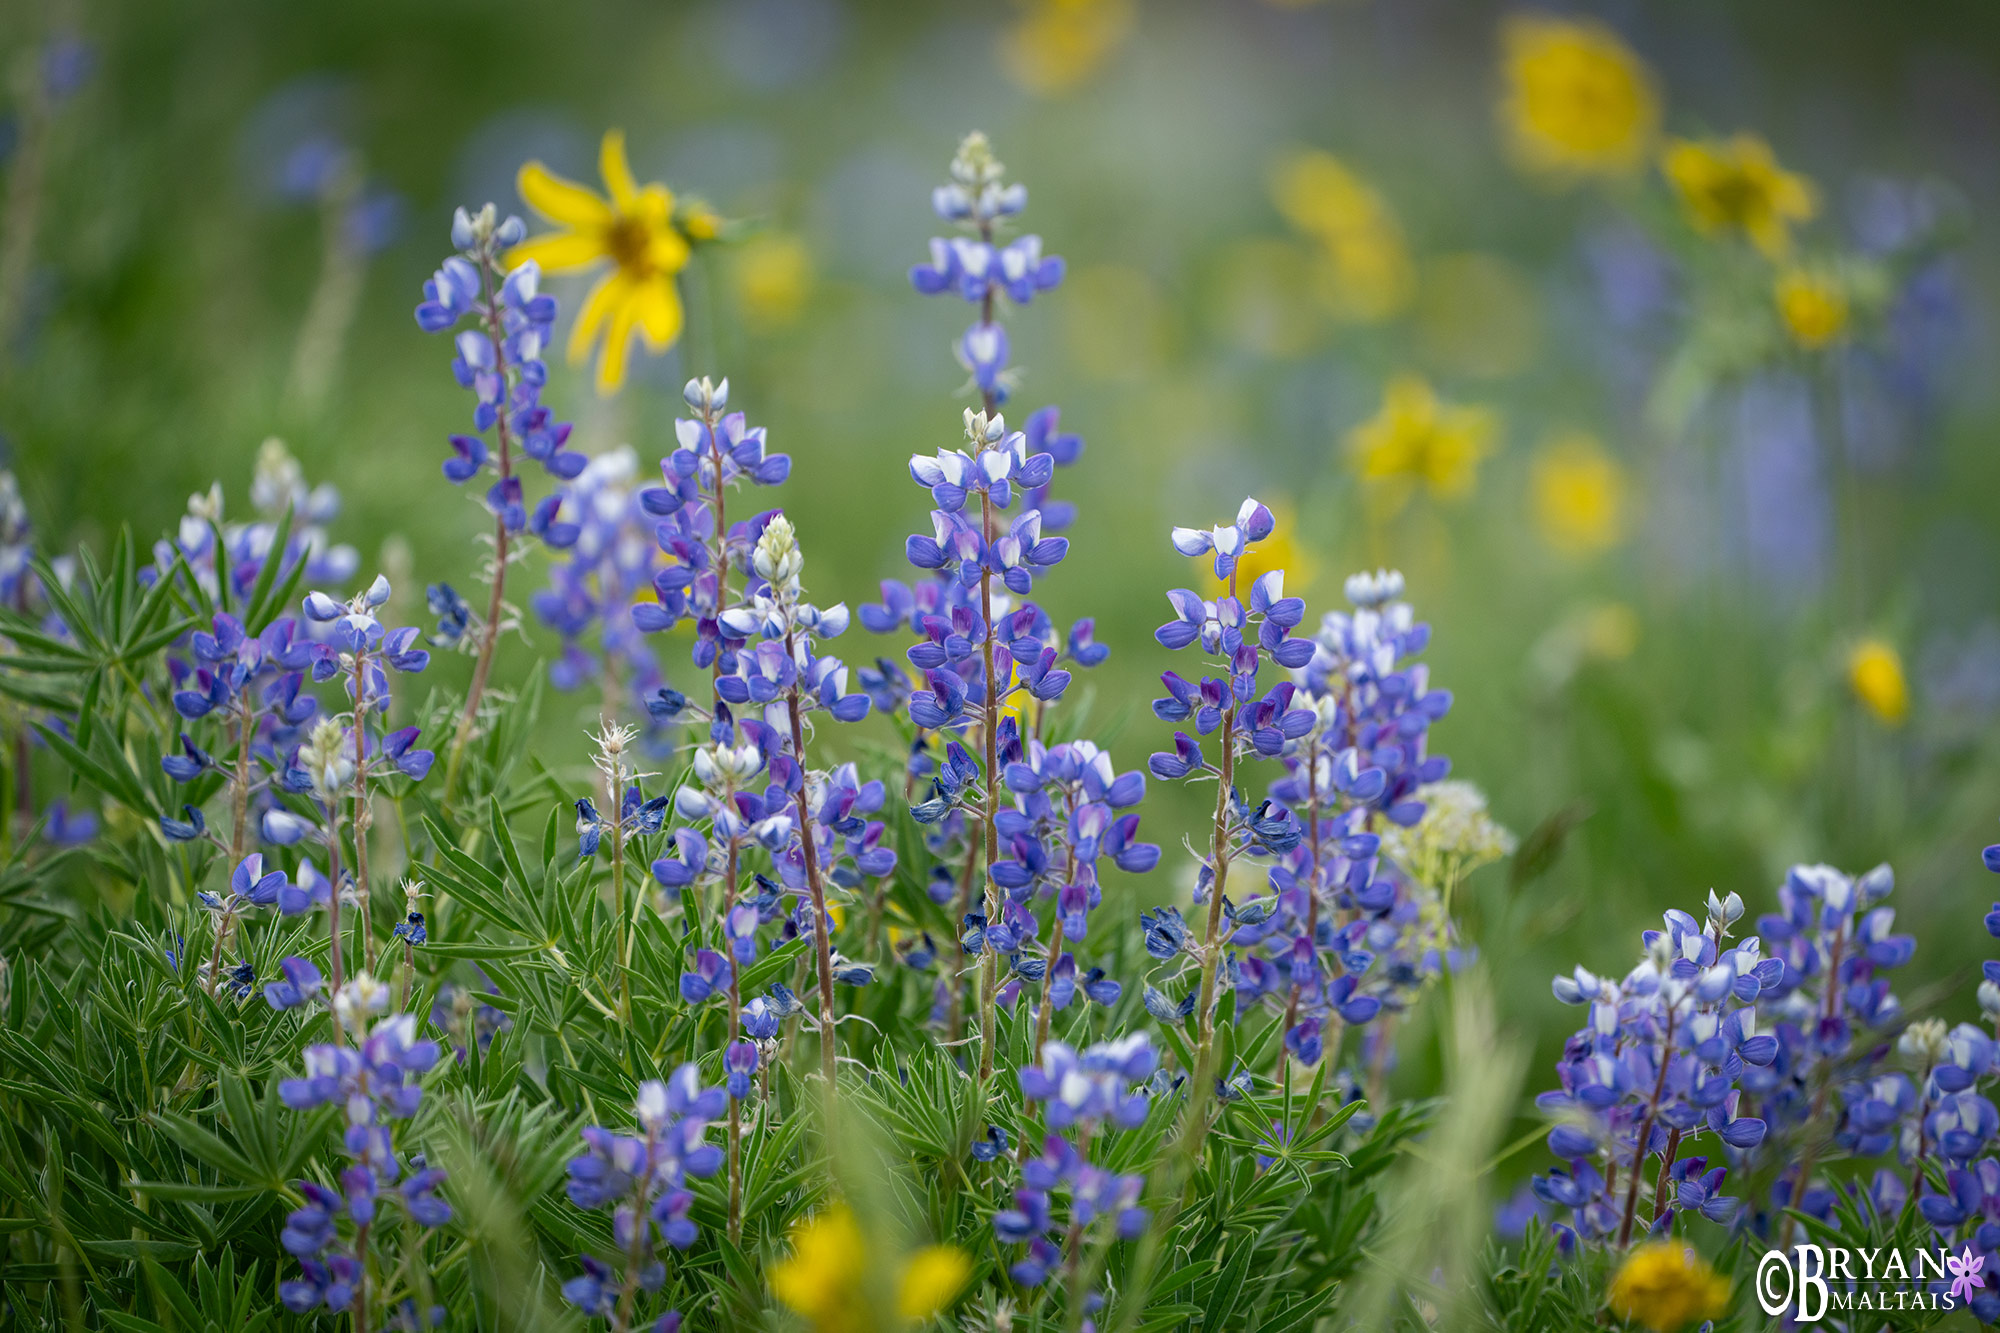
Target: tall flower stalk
[(974, 267), (1235, 635), (501, 323)]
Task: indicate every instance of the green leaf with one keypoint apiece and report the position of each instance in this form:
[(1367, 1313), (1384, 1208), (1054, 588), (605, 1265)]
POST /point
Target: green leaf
[(1229, 1285), (1301, 1315), (496, 827), (122, 786), (205, 1145), (260, 591), (79, 621), (187, 1191)]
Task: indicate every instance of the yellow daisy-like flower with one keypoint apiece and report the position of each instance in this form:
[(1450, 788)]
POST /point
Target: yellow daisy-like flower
[(1875, 674), (1418, 440), (1579, 495), (1667, 1286), (1578, 102), (1812, 305), (635, 230), (1736, 184), (1368, 274), (826, 1277)]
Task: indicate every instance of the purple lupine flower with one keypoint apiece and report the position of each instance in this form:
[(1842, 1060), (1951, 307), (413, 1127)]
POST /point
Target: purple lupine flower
[(374, 1085), (643, 1179), (1656, 1067), (1092, 1087)]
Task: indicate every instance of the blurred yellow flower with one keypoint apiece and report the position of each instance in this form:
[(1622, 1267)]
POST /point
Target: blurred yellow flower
[(773, 276), (634, 229), (1578, 101), (933, 1276), (1875, 674), (1579, 494), (1812, 305), (825, 1279), (1736, 184), (1057, 44), (1417, 440), (1667, 1286), (1368, 275)]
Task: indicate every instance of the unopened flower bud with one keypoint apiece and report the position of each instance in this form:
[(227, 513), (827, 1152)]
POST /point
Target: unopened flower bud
[(1924, 1040), (778, 560)]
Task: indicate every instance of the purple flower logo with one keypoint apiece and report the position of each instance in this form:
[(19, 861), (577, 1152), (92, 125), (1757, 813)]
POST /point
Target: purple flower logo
[(1965, 1274)]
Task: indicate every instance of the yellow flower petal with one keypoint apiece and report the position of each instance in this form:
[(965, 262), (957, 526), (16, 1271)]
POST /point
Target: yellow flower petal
[(560, 251), (1875, 674), (617, 349), (935, 1275), (666, 248), (563, 202), (659, 313), (591, 316), (617, 172), (821, 1280)]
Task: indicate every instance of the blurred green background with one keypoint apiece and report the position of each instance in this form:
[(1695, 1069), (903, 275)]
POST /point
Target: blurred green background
[(1650, 633)]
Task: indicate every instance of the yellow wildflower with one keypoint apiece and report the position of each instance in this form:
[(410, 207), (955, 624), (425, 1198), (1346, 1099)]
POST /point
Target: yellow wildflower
[(1667, 1286), (1875, 674), (635, 230), (773, 277), (1368, 274), (1057, 44), (931, 1279), (1578, 101), (1579, 495), (826, 1277), (1737, 185), (1812, 305), (1419, 440)]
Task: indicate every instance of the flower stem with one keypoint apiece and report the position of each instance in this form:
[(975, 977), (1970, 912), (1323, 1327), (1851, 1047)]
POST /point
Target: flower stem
[(1218, 852), (955, 1023), (1666, 1166), (735, 1023), (362, 817), (1646, 1133), (822, 941), (989, 966), (1054, 953), (489, 633), (333, 912), (1312, 895)]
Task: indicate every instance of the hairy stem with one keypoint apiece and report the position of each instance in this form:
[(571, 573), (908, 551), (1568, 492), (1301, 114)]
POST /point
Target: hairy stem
[(362, 816), (1646, 1134), (955, 1023), (489, 633), (1218, 851), (333, 911), (822, 941), (989, 967), (735, 1025)]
